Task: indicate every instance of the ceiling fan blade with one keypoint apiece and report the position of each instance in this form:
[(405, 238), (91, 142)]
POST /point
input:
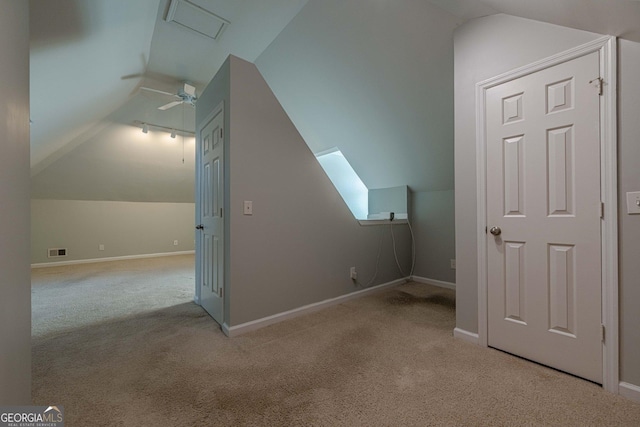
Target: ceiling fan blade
[(159, 91), (170, 105)]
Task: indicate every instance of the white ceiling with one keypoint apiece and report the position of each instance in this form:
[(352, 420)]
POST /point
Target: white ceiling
[(619, 18), (78, 55), (89, 57), (185, 55)]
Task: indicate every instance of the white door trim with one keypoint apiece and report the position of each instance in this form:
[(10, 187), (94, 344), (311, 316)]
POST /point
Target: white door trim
[(198, 217), (606, 47)]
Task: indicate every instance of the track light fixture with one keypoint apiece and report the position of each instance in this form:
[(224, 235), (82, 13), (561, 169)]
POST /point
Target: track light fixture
[(174, 132)]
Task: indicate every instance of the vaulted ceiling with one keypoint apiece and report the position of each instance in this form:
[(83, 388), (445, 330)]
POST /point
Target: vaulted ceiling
[(89, 59)]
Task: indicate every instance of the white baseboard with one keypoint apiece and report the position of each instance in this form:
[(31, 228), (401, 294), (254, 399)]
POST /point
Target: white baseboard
[(629, 391), (466, 336), (108, 259), (434, 282), (243, 328), (226, 331)]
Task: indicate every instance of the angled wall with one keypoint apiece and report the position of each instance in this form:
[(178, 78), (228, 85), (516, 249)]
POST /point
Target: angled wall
[(15, 276), (375, 80), (299, 244)]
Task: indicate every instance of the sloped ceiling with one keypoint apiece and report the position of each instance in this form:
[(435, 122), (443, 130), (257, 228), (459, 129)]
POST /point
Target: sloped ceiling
[(80, 50), (375, 81), (374, 78), (178, 52), (90, 57), (620, 18)]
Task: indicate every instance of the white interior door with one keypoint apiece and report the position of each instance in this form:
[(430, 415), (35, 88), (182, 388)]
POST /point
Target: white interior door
[(543, 197), (209, 205)]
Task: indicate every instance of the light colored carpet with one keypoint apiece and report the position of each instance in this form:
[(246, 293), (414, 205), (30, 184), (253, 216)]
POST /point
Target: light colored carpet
[(79, 295), (384, 360)]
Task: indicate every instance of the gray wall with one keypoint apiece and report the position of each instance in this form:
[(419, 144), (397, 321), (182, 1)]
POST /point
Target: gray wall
[(119, 187), (629, 225), (298, 246), (15, 276), (490, 46), (433, 222), (394, 199), (375, 80), (124, 228)]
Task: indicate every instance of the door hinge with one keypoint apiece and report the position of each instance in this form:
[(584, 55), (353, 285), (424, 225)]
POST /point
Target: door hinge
[(602, 333), (220, 292), (599, 83), (602, 210), (220, 212), (221, 133)]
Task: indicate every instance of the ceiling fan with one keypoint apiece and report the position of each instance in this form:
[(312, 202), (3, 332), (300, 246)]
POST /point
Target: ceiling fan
[(185, 95)]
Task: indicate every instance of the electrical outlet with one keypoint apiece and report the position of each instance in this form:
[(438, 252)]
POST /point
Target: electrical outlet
[(175, 243), (101, 247), (453, 264), (353, 273)]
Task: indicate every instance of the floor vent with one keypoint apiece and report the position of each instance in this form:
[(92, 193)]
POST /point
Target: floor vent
[(57, 252)]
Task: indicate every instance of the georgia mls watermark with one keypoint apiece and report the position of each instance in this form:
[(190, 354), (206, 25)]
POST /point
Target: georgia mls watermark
[(31, 416)]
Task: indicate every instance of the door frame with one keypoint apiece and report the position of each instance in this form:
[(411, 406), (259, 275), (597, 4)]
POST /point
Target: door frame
[(606, 48), (198, 216)]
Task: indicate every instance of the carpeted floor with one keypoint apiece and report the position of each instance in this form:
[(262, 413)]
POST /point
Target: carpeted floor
[(384, 360), (79, 295)]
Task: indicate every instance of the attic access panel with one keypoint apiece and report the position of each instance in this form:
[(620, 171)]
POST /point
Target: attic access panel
[(196, 18)]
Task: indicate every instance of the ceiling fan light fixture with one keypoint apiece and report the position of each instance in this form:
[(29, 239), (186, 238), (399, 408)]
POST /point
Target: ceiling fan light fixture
[(145, 128), (185, 95)]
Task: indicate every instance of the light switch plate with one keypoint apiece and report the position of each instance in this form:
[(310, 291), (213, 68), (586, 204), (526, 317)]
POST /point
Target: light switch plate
[(633, 202), (248, 207)]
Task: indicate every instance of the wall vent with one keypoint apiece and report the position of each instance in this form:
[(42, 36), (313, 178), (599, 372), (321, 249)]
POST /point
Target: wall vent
[(196, 18), (57, 252)]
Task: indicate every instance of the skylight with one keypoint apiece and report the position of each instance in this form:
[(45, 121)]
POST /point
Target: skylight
[(346, 181)]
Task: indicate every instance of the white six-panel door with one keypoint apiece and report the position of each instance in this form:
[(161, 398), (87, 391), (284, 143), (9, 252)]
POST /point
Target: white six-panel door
[(209, 204), (543, 198)]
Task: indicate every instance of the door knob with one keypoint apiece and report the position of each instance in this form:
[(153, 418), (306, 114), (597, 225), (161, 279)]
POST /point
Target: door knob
[(496, 231), (200, 227)]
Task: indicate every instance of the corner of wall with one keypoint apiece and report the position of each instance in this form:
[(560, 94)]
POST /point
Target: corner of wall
[(15, 280)]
